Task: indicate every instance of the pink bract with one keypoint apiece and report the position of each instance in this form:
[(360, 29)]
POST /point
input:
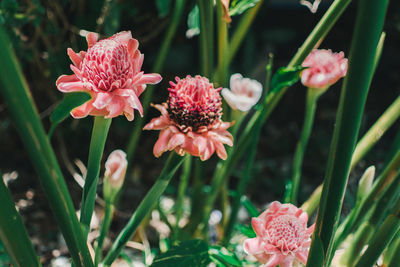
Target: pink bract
[(190, 121), (324, 68), (110, 71), (282, 236), (116, 165)]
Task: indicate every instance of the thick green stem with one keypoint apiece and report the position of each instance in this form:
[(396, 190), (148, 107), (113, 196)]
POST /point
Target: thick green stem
[(311, 105), (158, 67), (184, 181), (13, 233), (104, 228), (206, 36), (26, 118), (97, 142), (221, 75), (145, 206), (368, 28)]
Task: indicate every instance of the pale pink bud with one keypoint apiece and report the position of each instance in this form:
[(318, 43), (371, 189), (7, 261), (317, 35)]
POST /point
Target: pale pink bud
[(116, 165), (243, 94), (282, 236), (324, 68)]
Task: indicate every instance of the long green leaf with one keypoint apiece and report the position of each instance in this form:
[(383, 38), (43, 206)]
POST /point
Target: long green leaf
[(26, 118), (13, 233), (368, 28)]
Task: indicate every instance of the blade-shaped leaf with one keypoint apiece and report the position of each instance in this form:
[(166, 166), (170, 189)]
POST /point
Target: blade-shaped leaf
[(62, 111), (187, 253), (240, 6), (193, 22), (285, 77), (246, 230), (222, 256)]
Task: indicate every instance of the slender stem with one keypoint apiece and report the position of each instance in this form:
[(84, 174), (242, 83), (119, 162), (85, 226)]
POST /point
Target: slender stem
[(13, 233), (311, 105), (104, 228), (368, 28), (395, 252), (26, 118), (97, 142), (376, 131), (206, 36), (221, 74), (158, 67), (312, 203), (184, 181), (145, 206)]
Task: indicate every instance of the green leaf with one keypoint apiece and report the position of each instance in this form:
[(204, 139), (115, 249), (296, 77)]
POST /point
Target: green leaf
[(285, 77), (316, 257), (240, 6), (70, 101), (192, 253), (246, 230), (163, 7), (224, 257), (193, 22), (251, 209)]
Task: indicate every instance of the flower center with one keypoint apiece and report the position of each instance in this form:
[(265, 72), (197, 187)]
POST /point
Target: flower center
[(285, 232), (193, 102), (107, 66)]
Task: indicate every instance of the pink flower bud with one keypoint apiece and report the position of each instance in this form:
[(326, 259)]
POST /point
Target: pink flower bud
[(190, 120), (116, 165), (243, 94), (324, 68), (282, 236), (110, 70)]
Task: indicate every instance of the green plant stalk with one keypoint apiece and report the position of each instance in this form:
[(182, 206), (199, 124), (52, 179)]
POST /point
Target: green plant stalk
[(104, 228), (13, 233), (26, 118), (368, 28), (206, 36), (382, 238), (311, 105), (145, 206), (241, 31), (377, 130), (221, 75), (392, 252), (393, 148), (96, 149), (158, 67), (312, 203), (183, 184)]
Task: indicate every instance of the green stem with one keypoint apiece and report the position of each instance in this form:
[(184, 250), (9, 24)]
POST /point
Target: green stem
[(311, 105), (392, 255), (368, 28), (206, 36), (184, 181), (13, 233), (97, 142), (104, 228), (145, 206), (158, 67), (376, 131), (221, 74), (26, 118)]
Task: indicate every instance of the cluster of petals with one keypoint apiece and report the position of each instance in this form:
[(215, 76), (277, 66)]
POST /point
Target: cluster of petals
[(282, 236), (110, 71), (243, 94), (190, 120), (324, 68), (116, 165)]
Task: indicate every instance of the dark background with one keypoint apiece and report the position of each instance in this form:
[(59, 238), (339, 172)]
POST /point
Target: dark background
[(42, 30)]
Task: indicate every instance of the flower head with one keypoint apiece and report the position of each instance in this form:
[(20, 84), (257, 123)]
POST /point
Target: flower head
[(244, 93), (324, 68), (190, 120), (116, 165), (282, 236), (110, 71)]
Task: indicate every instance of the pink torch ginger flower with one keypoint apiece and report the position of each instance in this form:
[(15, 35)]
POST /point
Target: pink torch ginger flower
[(116, 165), (324, 68), (110, 72), (190, 121), (244, 93), (282, 236)]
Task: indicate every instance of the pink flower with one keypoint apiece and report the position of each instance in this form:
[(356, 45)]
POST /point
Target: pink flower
[(190, 121), (110, 72), (116, 165), (244, 93), (324, 68), (282, 236)]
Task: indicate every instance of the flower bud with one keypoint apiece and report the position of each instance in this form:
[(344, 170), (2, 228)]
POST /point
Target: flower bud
[(365, 183), (114, 175)]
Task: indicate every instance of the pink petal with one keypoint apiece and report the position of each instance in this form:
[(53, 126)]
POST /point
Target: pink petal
[(176, 140), (253, 246), (258, 226), (83, 110), (274, 260), (131, 99), (157, 123), (133, 45), (102, 100), (208, 151), (66, 79), (150, 78), (67, 87), (302, 256), (75, 58), (162, 143), (115, 107), (220, 149), (91, 39), (122, 37)]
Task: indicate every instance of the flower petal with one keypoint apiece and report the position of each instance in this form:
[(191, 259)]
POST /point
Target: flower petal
[(162, 143), (67, 87), (91, 39), (101, 100)]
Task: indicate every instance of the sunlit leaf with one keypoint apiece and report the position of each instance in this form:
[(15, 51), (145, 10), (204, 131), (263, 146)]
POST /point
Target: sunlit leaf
[(285, 77), (193, 22), (246, 230), (224, 257), (240, 6)]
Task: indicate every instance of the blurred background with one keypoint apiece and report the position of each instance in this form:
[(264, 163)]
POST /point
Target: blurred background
[(41, 31)]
